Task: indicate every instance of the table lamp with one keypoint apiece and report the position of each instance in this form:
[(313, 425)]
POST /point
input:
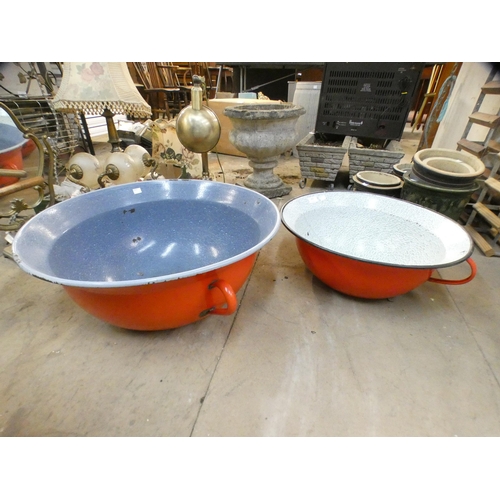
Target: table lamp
[(104, 88)]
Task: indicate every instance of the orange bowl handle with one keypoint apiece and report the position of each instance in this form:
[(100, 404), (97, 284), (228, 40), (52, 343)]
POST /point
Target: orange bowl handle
[(473, 272), (229, 295)]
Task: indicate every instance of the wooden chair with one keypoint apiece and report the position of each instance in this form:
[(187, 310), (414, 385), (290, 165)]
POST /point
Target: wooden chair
[(152, 90), (138, 77), (181, 71), (201, 69), (225, 79), (179, 96), (161, 89), (18, 200), (425, 101)]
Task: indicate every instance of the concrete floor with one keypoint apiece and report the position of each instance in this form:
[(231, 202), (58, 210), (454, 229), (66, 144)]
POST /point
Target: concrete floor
[(296, 359)]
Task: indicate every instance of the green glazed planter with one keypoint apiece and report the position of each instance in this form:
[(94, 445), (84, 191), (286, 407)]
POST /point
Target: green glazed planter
[(448, 201)]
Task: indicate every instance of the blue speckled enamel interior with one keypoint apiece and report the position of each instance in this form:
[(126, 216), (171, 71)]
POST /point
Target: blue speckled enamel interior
[(145, 232), (10, 138)]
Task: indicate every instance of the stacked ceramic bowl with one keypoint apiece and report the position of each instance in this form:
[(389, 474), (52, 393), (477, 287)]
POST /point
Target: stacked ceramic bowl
[(447, 167), (400, 169), (378, 183), (443, 180)]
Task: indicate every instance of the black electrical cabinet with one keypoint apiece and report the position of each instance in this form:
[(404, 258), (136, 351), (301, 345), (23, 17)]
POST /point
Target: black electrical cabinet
[(367, 100)]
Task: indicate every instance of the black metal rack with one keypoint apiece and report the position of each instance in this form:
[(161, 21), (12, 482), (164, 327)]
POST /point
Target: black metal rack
[(366, 100), (65, 132)]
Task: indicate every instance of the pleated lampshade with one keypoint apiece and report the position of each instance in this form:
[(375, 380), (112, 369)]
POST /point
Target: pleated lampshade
[(93, 87)]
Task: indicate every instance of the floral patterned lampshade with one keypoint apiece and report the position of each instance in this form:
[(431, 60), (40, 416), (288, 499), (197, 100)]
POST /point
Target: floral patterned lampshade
[(94, 87)]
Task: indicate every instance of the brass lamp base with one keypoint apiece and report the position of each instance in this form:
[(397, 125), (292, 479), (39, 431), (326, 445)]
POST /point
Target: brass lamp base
[(114, 140)]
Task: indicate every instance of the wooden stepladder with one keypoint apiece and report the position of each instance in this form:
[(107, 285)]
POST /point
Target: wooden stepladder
[(485, 231)]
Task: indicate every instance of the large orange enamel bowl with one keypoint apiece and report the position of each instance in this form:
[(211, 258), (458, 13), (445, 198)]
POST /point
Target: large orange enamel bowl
[(371, 246), (150, 255)]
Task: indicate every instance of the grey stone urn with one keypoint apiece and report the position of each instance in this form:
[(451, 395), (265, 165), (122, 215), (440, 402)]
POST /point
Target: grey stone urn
[(263, 132)]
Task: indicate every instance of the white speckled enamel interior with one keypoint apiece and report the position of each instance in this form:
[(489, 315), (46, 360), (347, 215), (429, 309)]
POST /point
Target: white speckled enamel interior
[(378, 229)]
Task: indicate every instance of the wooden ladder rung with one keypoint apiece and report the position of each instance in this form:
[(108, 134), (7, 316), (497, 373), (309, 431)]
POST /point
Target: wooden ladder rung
[(494, 146), (481, 243), (474, 148), (492, 87), (492, 219), (485, 119), (493, 184)]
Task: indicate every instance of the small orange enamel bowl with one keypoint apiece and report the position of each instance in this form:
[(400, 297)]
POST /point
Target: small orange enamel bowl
[(12, 142), (374, 247)]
